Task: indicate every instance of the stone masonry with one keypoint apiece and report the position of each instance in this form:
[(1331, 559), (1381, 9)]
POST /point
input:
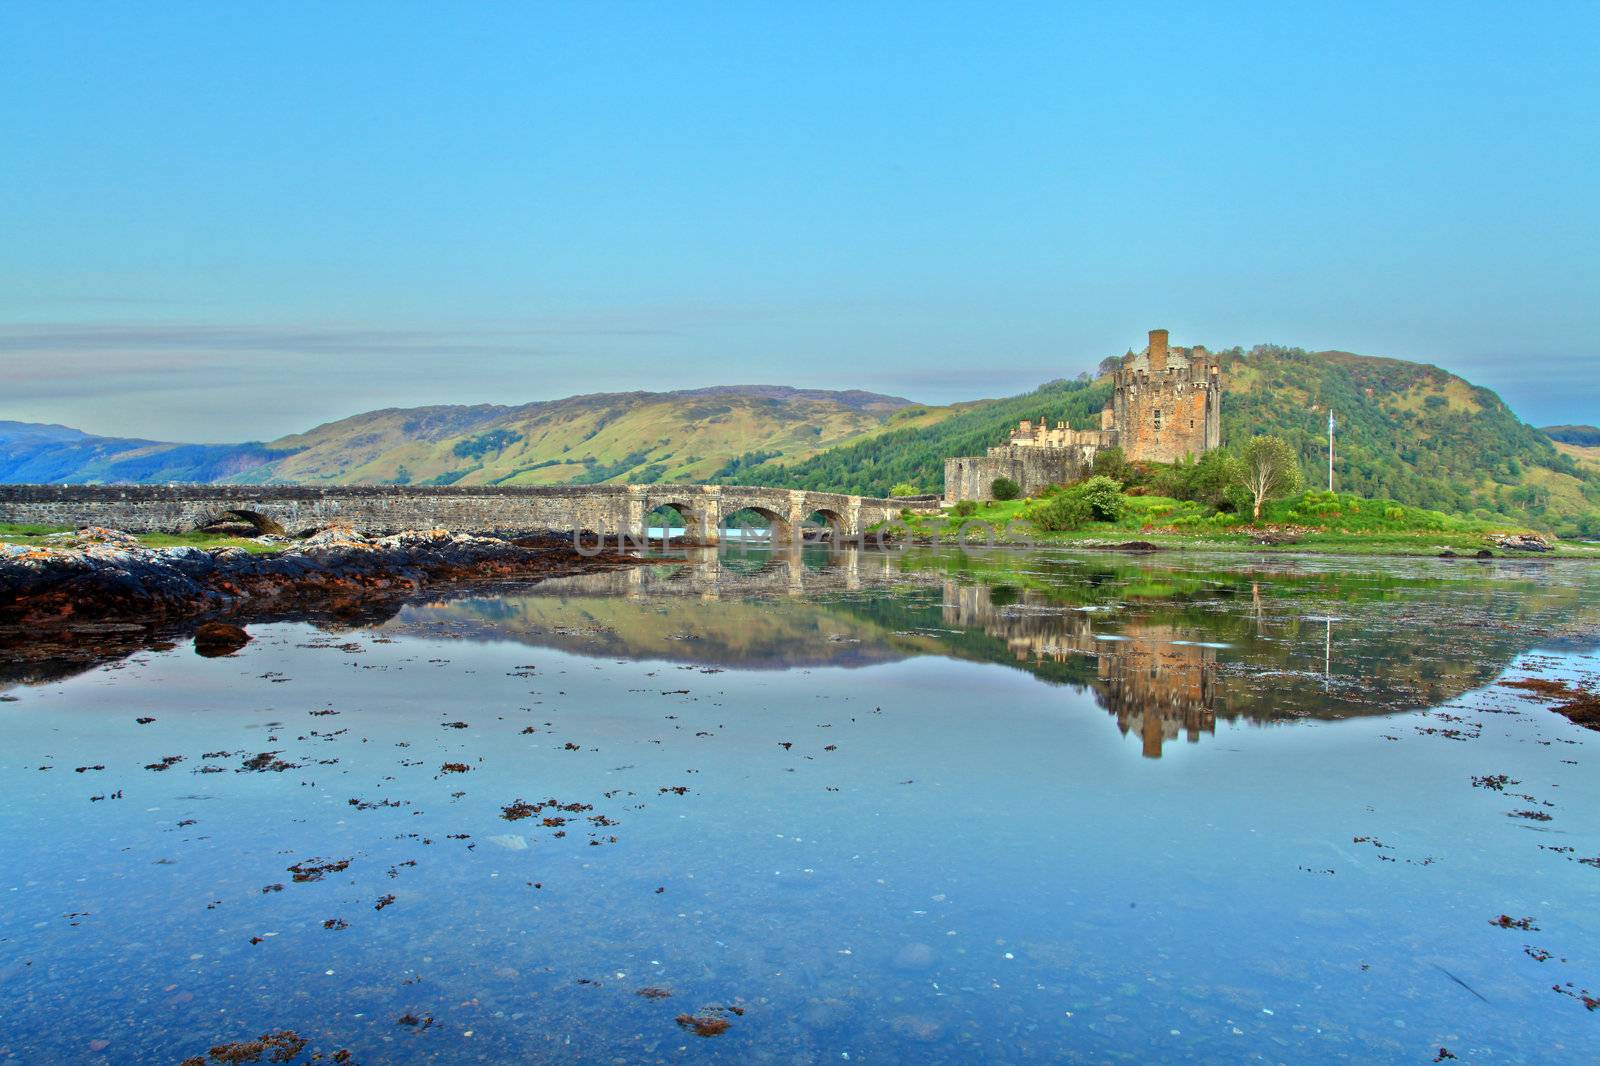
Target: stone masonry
[(389, 509)]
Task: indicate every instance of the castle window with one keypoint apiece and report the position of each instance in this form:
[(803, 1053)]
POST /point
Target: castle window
[(1158, 418)]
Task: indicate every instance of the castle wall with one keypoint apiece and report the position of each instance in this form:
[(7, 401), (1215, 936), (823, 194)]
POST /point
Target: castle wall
[(972, 477)]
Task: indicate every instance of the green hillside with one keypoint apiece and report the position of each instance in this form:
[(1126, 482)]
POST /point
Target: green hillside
[(636, 437), (1407, 431), (916, 454), (710, 434)]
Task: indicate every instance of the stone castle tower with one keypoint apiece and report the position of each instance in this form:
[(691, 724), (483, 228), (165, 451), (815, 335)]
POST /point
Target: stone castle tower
[(1166, 403)]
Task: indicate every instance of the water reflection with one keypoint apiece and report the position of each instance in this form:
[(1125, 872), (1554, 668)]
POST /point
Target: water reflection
[(1166, 646), (878, 803)]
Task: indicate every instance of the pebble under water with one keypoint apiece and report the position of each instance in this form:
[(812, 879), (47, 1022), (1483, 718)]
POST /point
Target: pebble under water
[(927, 806)]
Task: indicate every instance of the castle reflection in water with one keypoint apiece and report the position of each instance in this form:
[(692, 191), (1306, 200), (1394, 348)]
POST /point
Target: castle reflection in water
[(1157, 685), (1165, 646)]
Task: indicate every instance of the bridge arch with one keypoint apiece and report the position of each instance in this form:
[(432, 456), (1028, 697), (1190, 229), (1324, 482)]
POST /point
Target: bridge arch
[(835, 524), (701, 517), (235, 516), (779, 528)]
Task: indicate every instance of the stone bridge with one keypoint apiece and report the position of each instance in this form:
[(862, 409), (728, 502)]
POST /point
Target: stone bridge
[(608, 509)]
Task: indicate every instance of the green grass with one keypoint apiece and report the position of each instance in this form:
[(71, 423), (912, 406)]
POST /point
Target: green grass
[(25, 533), (1338, 524)]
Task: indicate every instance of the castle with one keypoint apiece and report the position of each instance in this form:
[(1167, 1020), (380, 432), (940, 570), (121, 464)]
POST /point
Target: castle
[(1166, 403)]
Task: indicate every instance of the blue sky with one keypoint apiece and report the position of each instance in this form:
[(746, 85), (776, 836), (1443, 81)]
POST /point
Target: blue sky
[(230, 221)]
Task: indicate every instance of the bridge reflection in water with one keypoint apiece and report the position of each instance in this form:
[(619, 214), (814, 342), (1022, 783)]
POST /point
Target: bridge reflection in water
[(1166, 647), (795, 608)]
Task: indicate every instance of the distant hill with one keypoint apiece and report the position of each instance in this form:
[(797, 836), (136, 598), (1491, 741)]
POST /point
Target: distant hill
[(1583, 436), (1407, 431), (34, 452), (696, 435)]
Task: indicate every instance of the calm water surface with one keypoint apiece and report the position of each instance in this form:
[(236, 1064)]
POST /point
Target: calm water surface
[(927, 807)]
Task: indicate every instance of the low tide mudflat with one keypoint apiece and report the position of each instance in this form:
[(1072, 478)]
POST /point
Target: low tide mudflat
[(928, 806)]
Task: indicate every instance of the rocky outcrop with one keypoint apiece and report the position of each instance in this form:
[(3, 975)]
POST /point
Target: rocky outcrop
[(103, 575), (1521, 542)]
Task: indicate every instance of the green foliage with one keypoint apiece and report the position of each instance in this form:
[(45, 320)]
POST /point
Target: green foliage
[(903, 488), (730, 471), (1096, 499), (1062, 512), (595, 471), (1003, 488), (1584, 436), (450, 477), (1212, 479), (1268, 470), (1104, 497), (1390, 444), (965, 509), (493, 441), (1112, 463), (916, 455)]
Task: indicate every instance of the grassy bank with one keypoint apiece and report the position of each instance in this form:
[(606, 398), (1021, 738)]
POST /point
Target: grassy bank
[(36, 535), (1313, 521)]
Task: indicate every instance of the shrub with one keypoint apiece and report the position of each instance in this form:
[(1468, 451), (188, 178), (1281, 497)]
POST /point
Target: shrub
[(965, 509), (1003, 488), (903, 488), (1104, 497), (1066, 510)]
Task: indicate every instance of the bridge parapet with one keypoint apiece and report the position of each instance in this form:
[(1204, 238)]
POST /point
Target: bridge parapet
[(467, 509)]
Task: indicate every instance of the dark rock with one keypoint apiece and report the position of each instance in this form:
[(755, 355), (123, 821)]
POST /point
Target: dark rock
[(219, 638)]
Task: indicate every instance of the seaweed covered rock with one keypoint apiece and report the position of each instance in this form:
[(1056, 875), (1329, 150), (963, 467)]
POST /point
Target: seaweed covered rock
[(112, 578), (213, 639)]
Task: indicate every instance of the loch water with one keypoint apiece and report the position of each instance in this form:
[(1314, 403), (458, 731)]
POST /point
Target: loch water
[(870, 807)]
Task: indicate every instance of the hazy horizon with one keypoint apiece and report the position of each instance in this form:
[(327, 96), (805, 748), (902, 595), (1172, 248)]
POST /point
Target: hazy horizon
[(232, 223)]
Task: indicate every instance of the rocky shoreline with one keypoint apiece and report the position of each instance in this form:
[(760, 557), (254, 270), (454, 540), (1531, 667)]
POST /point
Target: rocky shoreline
[(101, 586)]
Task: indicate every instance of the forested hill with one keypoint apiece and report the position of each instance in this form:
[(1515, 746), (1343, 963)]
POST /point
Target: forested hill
[(1582, 436), (1406, 431), (915, 455)]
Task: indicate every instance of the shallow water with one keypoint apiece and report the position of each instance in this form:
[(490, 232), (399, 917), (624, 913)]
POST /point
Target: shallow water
[(921, 807)]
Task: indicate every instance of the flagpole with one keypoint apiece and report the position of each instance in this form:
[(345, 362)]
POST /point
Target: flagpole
[(1330, 449)]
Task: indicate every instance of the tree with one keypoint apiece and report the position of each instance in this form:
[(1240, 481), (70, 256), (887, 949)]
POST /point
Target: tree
[(902, 488), (1112, 463), (1269, 470), (1003, 488)]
